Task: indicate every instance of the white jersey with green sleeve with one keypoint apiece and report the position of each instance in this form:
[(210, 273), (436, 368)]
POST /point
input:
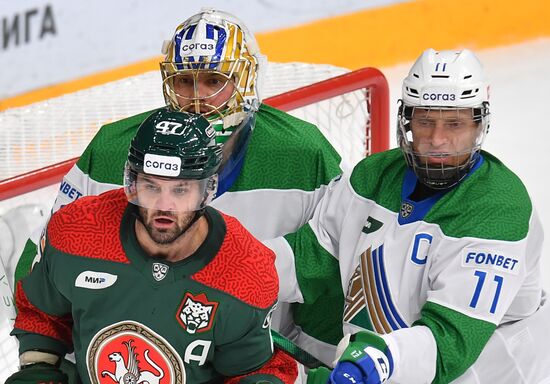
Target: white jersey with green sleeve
[(436, 277)]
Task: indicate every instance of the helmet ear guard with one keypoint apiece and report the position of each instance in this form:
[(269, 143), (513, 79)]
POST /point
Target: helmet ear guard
[(443, 81)]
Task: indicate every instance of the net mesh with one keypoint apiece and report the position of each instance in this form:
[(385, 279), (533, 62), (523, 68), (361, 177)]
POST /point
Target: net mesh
[(58, 129)]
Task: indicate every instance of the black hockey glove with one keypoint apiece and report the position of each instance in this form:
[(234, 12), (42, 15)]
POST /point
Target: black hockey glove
[(38, 373)]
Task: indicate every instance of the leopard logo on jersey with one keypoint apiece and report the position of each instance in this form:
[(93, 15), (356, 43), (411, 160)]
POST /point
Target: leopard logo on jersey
[(196, 313)]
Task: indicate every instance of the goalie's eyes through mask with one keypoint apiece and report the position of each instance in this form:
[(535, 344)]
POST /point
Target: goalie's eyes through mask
[(203, 85)]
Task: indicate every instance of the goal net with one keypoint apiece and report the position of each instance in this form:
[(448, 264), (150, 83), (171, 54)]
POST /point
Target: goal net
[(40, 142)]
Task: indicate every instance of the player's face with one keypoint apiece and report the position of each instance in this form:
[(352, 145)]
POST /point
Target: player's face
[(203, 91), (167, 206), (444, 137)]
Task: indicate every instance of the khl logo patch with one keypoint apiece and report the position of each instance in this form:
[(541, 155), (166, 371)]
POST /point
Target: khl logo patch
[(159, 271), (406, 209)]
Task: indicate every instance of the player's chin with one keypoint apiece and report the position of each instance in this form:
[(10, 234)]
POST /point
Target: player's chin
[(442, 160), (163, 235)]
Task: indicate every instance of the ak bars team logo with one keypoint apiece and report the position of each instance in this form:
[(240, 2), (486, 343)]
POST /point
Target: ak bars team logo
[(130, 353)]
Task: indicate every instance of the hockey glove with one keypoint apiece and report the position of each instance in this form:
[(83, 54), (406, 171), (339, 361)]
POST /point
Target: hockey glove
[(366, 360), (38, 373)]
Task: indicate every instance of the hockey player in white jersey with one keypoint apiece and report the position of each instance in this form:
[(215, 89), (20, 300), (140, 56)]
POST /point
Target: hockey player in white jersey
[(439, 246)]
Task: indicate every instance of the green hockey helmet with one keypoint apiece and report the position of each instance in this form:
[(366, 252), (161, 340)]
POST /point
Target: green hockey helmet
[(173, 155)]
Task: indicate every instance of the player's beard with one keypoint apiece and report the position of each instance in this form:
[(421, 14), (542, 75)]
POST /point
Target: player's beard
[(182, 222)]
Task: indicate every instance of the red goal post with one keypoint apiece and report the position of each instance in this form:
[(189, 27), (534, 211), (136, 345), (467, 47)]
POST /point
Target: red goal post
[(376, 130)]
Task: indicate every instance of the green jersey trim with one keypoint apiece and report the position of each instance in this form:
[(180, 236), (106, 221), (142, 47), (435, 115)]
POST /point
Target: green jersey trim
[(491, 203), (24, 265), (299, 145), (318, 275), (31, 341), (460, 339), (106, 165)]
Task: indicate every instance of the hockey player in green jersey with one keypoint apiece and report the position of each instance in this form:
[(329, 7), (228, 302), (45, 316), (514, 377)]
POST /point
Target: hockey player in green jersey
[(149, 284), (439, 247), (275, 167)]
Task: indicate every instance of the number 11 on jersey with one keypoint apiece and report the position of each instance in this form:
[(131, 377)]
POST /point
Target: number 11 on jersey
[(481, 275)]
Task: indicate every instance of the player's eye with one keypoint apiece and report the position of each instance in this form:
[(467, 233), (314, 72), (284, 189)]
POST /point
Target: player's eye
[(214, 81), (180, 190), (425, 123), (184, 81), (454, 124), (151, 187)]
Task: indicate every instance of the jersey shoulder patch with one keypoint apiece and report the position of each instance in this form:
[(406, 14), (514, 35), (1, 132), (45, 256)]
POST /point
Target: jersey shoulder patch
[(243, 268), (90, 227)]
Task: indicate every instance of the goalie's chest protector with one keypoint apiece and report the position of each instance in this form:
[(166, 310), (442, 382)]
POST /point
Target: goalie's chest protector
[(141, 316)]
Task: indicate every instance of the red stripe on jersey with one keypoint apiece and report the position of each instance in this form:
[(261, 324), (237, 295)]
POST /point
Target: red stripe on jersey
[(243, 267), (33, 320), (281, 366), (90, 227)]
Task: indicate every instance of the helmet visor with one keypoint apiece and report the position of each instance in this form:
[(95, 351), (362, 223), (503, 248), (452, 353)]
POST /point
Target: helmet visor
[(168, 194)]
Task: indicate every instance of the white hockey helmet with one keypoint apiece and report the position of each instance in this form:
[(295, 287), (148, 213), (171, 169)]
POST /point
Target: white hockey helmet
[(218, 43), (444, 81), (441, 79)]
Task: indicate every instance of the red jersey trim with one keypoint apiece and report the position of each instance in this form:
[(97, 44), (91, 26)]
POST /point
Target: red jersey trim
[(33, 320), (281, 366), (90, 227), (243, 267)]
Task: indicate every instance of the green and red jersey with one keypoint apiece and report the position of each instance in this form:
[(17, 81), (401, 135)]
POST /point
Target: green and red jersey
[(199, 320)]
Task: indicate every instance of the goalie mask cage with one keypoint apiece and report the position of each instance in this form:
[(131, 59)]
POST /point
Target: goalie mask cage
[(40, 142)]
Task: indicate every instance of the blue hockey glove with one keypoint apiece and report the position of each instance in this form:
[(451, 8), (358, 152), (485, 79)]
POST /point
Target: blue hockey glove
[(38, 373), (366, 360)]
